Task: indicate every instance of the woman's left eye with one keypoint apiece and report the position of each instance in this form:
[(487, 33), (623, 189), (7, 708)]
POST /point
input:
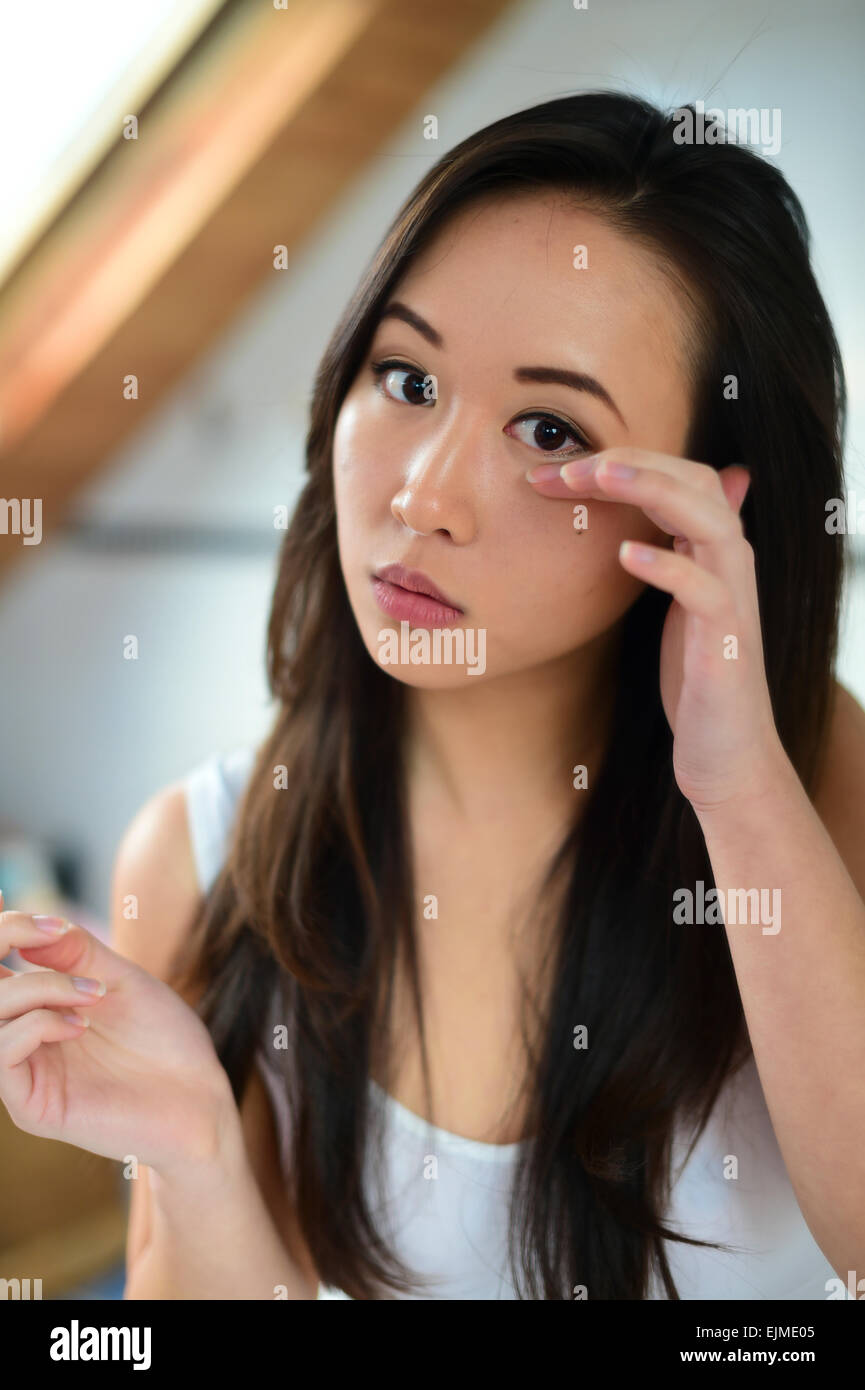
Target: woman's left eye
[(548, 432)]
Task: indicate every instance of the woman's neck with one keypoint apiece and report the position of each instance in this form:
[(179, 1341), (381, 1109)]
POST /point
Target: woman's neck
[(513, 741)]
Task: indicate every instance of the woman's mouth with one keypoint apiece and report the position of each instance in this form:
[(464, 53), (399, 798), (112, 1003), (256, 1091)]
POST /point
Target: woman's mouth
[(409, 595)]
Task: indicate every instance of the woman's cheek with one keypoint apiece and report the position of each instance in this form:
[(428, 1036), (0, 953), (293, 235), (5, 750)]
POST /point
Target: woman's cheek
[(602, 526), (357, 464), (359, 484), (574, 582)]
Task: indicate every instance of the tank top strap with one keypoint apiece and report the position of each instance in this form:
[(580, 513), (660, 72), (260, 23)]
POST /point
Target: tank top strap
[(213, 789)]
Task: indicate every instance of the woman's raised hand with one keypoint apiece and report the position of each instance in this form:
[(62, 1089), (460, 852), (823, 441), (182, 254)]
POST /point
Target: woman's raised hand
[(127, 1071), (712, 678)]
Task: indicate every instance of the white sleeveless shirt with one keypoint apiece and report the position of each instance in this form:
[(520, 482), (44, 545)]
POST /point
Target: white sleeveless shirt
[(453, 1228)]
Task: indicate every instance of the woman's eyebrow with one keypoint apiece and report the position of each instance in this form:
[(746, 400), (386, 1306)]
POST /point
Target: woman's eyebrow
[(579, 381), (397, 310)]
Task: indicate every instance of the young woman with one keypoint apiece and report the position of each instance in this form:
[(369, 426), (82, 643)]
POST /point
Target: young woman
[(529, 962)]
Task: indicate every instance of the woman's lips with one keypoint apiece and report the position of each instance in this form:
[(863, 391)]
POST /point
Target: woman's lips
[(416, 582), (421, 610)]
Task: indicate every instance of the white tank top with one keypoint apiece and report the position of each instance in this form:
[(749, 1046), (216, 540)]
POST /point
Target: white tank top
[(441, 1200)]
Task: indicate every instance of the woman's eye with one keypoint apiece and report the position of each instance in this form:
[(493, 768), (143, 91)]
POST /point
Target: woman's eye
[(420, 392), (417, 389), (548, 433)]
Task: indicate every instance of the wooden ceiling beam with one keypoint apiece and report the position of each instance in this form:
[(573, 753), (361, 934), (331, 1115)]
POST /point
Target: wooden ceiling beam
[(245, 147)]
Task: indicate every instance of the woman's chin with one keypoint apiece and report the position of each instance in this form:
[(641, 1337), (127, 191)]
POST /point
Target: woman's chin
[(429, 657)]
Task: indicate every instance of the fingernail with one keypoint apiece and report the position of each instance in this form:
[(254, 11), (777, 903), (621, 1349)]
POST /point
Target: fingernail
[(578, 469), (55, 925), (632, 550), (88, 986), (544, 473), (76, 1018)]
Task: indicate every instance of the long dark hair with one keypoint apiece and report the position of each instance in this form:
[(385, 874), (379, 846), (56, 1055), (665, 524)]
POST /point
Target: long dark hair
[(315, 899)]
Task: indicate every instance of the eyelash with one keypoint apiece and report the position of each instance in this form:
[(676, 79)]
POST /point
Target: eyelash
[(393, 364)]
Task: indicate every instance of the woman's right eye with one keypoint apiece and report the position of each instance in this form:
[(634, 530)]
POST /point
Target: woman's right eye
[(423, 389)]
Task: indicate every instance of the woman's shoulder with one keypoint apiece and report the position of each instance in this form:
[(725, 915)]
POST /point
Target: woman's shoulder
[(154, 882), (170, 853)]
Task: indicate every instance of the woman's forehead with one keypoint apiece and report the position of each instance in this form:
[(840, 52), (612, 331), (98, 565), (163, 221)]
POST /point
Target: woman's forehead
[(539, 261), (538, 280)]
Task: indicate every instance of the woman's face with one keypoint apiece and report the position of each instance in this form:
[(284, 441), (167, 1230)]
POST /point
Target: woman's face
[(430, 474)]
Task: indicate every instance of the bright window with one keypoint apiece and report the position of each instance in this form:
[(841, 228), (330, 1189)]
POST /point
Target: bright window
[(69, 73)]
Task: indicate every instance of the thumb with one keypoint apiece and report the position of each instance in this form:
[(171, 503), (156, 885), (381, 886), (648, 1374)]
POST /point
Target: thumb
[(76, 951)]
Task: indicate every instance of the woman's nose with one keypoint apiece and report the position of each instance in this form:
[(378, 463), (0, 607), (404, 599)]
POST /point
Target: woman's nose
[(437, 492)]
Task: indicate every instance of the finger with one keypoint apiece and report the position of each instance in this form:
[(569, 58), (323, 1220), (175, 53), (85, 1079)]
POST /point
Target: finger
[(36, 989), (548, 479), (22, 931), (676, 505), (74, 950), (19, 1041), (698, 590), (701, 476)]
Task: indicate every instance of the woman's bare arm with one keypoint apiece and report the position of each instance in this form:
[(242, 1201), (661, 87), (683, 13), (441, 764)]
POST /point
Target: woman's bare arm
[(222, 1229), (803, 987)]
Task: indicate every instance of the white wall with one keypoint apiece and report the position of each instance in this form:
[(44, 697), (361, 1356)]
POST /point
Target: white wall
[(86, 735)]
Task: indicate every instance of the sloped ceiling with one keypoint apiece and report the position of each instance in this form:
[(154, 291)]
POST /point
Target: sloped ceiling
[(243, 148)]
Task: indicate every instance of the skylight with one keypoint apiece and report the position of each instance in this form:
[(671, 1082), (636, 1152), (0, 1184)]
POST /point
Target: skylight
[(69, 74)]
